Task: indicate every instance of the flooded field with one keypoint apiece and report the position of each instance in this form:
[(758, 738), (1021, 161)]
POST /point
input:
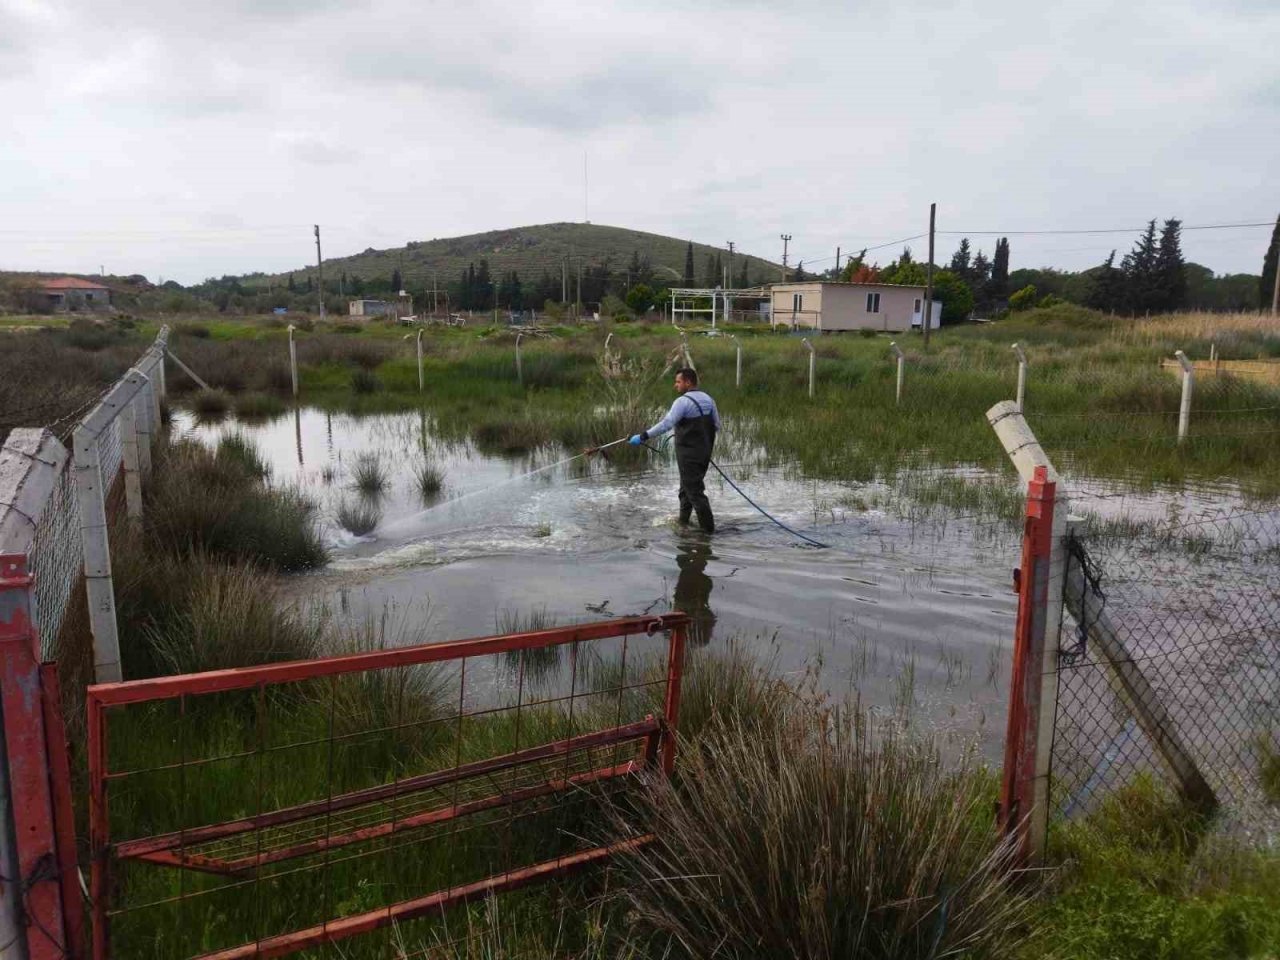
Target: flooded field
[(910, 606)]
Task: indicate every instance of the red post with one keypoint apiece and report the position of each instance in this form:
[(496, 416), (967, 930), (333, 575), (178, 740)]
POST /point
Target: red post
[(31, 801), (1022, 736)]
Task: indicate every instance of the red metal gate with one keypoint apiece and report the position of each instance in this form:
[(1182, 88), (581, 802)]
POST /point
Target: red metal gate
[(265, 810)]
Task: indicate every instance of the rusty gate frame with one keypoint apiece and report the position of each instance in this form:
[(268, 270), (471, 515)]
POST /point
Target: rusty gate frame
[(658, 734)]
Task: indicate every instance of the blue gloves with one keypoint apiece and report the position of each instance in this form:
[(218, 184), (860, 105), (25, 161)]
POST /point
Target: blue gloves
[(636, 440)]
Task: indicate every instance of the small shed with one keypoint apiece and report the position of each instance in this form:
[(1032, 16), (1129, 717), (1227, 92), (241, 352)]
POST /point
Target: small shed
[(832, 306), (370, 308), (72, 293)]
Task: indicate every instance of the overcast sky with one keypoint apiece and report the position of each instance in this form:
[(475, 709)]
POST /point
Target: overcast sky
[(184, 140)]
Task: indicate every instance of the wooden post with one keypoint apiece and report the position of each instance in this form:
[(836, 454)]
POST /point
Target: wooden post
[(519, 364), (897, 352), (928, 276), (1184, 409), (1022, 378)]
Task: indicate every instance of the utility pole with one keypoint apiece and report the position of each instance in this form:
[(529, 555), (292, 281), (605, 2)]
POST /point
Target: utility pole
[(1275, 293), (786, 238), (837, 263), (730, 274), (928, 276), (435, 297), (319, 271), (577, 303)]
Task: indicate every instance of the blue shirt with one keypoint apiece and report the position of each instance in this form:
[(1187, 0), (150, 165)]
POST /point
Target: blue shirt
[(686, 405)]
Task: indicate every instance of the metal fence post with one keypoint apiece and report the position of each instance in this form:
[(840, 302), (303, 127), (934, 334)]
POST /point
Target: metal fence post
[(293, 362), (29, 797), (1184, 410), (1041, 660), (421, 381), (813, 365), (897, 352), (1022, 378), (737, 379)]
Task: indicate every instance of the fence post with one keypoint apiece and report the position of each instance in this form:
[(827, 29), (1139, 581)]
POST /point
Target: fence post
[(293, 362), (421, 381), (1040, 657), (812, 365), (519, 364), (897, 352), (1022, 378), (91, 495), (142, 425), (671, 705), (737, 379), (1184, 410), (131, 460), (684, 349)]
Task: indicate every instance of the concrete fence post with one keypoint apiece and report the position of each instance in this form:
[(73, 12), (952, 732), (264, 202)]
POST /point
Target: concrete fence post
[(421, 380), (737, 377), (1035, 649), (519, 361), (901, 360), (131, 460), (1188, 381), (293, 362), (142, 425), (813, 365), (1022, 378), (91, 495)]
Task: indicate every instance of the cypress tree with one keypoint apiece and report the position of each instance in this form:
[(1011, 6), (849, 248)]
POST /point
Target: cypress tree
[(293, 287), (1267, 285), (998, 289), (1141, 290), (960, 260), (1171, 272), (688, 265), (1106, 286), (397, 282)]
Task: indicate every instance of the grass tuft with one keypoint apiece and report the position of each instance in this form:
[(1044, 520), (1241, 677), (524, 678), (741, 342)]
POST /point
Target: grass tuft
[(368, 475), (259, 406), (365, 382), (360, 518), (211, 403), (238, 449), (429, 479)]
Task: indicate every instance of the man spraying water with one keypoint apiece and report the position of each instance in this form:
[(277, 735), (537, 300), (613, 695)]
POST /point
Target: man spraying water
[(696, 422)]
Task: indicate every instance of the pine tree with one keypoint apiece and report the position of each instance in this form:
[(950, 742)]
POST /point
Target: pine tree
[(1141, 293), (709, 271), (483, 294), (960, 260), (688, 265), (1267, 288), (744, 277), (800, 274), (293, 287), (998, 288), (397, 282), (980, 278)]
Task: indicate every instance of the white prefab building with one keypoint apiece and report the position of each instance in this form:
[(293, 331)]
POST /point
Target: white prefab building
[(370, 308), (831, 306)]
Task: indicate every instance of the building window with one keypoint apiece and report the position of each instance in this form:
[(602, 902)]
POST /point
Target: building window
[(917, 307), (797, 302), (873, 303)]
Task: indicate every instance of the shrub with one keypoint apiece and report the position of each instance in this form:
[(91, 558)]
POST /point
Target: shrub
[(365, 382), (211, 403), (197, 330), (822, 840), (360, 518), (368, 475), (257, 406), (1023, 299)]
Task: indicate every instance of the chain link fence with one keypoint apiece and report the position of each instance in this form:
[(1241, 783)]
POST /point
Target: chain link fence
[(1191, 594)]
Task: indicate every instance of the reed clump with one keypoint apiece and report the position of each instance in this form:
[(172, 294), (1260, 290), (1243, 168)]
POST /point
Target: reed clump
[(369, 475), (360, 517)]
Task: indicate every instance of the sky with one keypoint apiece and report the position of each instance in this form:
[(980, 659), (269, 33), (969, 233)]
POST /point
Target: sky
[(183, 141)]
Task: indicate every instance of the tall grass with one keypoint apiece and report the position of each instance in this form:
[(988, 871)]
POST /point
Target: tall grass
[(821, 839), (369, 476), (428, 477), (238, 449), (360, 517), (211, 403)]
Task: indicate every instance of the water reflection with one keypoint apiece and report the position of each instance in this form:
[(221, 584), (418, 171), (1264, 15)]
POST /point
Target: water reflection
[(693, 587)]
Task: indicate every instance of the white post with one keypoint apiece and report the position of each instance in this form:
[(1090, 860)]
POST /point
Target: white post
[(519, 365), (142, 426), (606, 341), (737, 380), (91, 498), (812, 365), (293, 362), (684, 349), (897, 352), (1184, 411), (131, 459), (1022, 377), (421, 382)]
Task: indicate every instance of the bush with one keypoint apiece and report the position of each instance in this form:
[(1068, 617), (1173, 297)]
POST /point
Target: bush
[(1023, 299), (211, 403), (257, 406), (365, 382)]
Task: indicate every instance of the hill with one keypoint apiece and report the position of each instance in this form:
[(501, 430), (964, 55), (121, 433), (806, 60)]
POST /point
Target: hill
[(531, 251)]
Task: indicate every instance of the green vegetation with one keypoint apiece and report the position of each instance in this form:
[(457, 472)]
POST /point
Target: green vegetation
[(259, 406), (369, 475), (211, 403), (429, 479), (1142, 877), (360, 517)]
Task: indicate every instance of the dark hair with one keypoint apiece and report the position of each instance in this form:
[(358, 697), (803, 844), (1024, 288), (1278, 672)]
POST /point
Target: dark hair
[(689, 374)]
